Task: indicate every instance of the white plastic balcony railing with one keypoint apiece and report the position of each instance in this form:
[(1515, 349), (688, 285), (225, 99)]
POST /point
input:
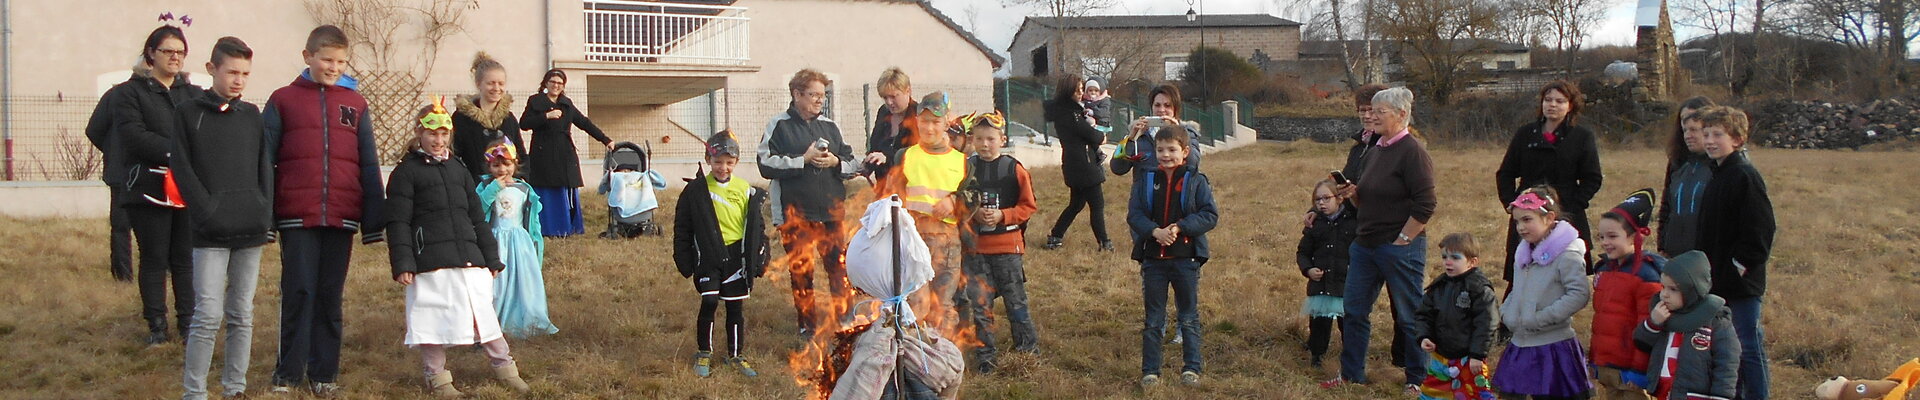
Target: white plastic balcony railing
[(662, 32)]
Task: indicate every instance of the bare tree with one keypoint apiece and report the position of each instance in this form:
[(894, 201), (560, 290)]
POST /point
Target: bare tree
[(1436, 37), (1060, 9), (1565, 22), (1717, 17)]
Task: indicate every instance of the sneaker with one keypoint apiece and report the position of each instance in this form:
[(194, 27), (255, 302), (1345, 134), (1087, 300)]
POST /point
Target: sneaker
[(281, 390), (240, 393), (741, 363), (326, 390), (702, 364), (1150, 380), (1315, 362), (1189, 378), (1332, 383), (1177, 338), (1106, 245), (1412, 390), (1053, 243)]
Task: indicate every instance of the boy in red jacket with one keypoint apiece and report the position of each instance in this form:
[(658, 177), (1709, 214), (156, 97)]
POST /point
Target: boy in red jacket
[(1626, 281), (327, 176)]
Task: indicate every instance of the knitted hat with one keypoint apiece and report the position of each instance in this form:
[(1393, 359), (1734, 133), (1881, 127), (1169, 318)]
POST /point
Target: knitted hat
[(1636, 211)]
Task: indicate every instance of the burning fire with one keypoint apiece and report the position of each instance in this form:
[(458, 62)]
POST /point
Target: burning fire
[(816, 366)]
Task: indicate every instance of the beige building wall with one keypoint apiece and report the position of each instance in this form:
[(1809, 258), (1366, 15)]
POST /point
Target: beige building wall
[(851, 40)]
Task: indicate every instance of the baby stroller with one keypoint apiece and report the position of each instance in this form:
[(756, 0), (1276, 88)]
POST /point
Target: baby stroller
[(631, 189)]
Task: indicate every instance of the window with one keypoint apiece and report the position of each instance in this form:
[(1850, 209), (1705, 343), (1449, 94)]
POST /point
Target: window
[(1176, 67), (1039, 55), (1508, 65)]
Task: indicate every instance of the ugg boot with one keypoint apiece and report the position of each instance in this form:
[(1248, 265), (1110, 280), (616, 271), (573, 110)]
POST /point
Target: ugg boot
[(441, 385), (510, 374)]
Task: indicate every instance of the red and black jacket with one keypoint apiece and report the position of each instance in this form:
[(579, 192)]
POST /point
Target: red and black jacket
[(327, 170)]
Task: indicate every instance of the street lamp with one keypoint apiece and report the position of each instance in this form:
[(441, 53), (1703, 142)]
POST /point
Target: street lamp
[(1191, 16)]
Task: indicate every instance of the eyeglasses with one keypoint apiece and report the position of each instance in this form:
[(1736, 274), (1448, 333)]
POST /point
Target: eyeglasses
[(180, 53), (813, 95), (557, 82), (1324, 198), (1454, 256)]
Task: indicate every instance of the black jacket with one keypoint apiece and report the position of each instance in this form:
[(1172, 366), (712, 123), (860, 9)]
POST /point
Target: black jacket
[(796, 183), (144, 119), (698, 248), (436, 220), (1457, 315), (471, 136), (1079, 143), (224, 169), (1571, 165), (1324, 245), (1737, 226), (1357, 155), (884, 140), (551, 159)]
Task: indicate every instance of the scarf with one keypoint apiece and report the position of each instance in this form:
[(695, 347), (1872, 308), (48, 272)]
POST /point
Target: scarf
[(1563, 235)]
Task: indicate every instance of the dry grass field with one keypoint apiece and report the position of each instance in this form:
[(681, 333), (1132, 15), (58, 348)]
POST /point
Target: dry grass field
[(1844, 297)]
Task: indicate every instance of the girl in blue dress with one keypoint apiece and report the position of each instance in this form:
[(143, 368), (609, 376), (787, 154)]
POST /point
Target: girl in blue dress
[(520, 293)]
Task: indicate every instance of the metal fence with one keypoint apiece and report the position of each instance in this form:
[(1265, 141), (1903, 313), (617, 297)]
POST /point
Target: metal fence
[(48, 140)]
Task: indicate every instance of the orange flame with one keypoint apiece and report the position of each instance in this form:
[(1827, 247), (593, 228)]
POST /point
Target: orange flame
[(816, 366)]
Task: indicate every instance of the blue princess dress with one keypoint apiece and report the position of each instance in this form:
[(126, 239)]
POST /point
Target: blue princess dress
[(520, 293)]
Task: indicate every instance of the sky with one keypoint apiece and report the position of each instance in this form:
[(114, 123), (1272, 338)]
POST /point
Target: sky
[(995, 23)]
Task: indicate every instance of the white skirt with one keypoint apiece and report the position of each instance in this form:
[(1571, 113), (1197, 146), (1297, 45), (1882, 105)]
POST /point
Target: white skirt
[(451, 306)]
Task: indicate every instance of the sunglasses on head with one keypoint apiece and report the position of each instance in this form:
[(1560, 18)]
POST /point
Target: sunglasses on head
[(994, 119)]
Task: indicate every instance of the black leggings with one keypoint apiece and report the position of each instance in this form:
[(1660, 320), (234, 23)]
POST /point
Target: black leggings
[(736, 317), (1319, 331), (1086, 196)]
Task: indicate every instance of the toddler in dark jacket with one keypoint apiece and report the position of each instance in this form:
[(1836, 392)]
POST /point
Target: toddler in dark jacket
[(1690, 333), (1455, 323)]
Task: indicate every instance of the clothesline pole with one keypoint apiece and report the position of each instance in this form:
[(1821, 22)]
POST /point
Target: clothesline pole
[(899, 332)]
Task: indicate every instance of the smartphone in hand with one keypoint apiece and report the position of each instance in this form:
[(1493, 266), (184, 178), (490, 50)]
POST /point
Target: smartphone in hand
[(1339, 178)]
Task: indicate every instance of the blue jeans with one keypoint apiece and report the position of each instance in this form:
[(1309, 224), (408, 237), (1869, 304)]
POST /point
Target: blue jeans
[(1400, 268), (1184, 276), (224, 281), (1753, 349)]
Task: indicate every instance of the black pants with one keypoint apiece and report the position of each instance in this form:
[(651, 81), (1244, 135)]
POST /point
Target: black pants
[(1319, 332), (736, 318), (1083, 197), (313, 272), (166, 250), (120, 238)]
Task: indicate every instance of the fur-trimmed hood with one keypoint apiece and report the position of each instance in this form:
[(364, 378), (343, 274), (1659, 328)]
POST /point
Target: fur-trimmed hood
[(470, 106)]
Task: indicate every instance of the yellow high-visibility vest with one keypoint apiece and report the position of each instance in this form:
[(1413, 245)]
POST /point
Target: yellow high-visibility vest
[(931, 178)]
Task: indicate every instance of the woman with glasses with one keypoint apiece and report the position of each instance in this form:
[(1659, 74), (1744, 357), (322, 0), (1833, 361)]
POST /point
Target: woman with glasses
[(140, 136), (553, 164)]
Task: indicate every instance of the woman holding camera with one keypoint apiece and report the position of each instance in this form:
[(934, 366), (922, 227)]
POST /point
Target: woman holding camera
[(1136, 151)]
